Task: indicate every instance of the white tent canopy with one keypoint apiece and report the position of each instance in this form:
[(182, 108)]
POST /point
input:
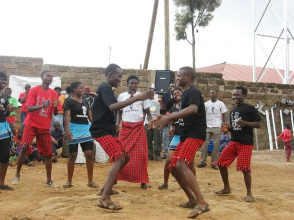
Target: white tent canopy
[(17, 83)]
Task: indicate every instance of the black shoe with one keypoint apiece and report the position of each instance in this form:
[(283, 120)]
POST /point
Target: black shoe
[(158, 158), (145, 186), (201, 165), (163, 157), (150, 158), (214, 167), (162, 187)]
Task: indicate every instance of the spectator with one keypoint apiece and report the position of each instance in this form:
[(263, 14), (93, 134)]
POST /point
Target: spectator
[(224, 139), (59, 117), (87, 97), (153, 134), (13, 102), (215, 117), (22, 99), (165, 136)]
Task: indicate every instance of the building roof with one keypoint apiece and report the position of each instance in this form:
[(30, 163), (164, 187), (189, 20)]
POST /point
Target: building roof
[(236, 72)]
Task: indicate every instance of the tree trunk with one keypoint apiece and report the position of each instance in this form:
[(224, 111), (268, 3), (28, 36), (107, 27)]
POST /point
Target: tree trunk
[(193, 46)]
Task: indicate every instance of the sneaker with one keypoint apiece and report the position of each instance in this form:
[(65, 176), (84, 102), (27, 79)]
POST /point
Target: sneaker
[(158, 158), (201, 165), (52, 184), (16, 180), (214, 167)]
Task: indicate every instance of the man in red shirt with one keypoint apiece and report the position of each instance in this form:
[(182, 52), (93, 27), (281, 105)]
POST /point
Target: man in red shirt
[(41, 102), (22, 99)]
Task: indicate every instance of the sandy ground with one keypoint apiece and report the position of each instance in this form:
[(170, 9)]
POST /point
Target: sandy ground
[(273, 189)]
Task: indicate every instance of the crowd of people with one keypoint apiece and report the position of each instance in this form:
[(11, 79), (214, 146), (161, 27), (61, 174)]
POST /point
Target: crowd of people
[(132, 129)]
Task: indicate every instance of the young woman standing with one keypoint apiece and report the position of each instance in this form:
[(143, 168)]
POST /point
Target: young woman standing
[(78, 118)]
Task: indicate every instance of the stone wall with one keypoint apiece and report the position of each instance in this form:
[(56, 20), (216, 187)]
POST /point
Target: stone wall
[(267, 93)]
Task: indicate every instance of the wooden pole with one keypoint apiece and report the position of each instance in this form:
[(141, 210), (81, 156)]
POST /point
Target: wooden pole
[(151, 31), (166, 25)]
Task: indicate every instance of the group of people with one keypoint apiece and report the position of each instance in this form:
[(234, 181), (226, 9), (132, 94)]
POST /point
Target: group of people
[(189, 121)]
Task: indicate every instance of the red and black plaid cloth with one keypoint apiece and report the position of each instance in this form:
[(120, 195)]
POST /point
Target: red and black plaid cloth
[(133, 136), (112, 146), (233, 150), (43, 138), (186, 151)]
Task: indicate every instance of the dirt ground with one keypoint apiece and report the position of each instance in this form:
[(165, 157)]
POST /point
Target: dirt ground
[(273, 189)]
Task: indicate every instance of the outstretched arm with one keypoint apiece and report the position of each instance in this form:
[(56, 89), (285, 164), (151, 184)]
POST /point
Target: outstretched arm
[(120, 105), (185, 113)]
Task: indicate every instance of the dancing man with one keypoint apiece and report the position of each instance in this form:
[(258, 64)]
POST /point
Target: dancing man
[(41, 103), (192, 131), (103, 128), (243, 118)]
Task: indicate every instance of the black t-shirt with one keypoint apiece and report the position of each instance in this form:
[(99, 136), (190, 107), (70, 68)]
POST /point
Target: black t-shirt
[(78, 111), (195, 125), (170, 104), (103, 119), (243, 135), (177, 126), (4, 102)]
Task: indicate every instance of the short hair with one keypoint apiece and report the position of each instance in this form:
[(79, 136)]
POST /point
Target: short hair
[(3, 75), (244, 91), (7, 89), (151, 88), (57, 88), (175, 89), (111, 68), (44, 72), (75, 85), (132, 77), (288, 125), (190, 71), (68, 90), (213, 90)]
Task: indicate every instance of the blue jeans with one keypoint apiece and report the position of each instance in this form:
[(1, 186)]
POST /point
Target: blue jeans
[(165, 140), (22, 118)]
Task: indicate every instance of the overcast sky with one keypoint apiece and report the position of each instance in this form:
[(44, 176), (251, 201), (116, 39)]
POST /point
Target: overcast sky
[(79, 33)]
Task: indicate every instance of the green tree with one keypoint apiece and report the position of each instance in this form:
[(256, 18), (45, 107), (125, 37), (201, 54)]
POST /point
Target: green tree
[(194, 13)]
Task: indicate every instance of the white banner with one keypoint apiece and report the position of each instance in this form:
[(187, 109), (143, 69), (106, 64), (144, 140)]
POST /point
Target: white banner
[(17, 84)]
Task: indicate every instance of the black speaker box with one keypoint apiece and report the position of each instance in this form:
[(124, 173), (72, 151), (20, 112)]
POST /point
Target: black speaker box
[(162, 81)]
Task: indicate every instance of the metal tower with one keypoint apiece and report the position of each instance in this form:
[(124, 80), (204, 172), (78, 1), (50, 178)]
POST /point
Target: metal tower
[(280, 33)]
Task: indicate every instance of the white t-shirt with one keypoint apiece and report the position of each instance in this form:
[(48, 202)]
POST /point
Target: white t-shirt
[(133, 112), (154, 109), (214, 111)]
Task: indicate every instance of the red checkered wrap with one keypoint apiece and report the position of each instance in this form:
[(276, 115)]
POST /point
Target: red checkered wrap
[(43, 138), (10, 119), (112, 146), (186, 151), (133, 136), (233, 150)]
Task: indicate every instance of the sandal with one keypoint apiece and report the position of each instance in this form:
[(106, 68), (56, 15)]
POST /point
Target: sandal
[(195, 212), (188, 205), (110, 205), (249, 198), (67, 185), (92, 185), (163, 186), (6, 187)]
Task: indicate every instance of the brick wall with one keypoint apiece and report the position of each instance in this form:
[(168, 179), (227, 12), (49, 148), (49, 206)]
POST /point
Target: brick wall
[(267, 93)]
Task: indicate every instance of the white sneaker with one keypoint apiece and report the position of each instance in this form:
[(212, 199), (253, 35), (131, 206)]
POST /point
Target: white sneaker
[(16, 180), (52, 184)]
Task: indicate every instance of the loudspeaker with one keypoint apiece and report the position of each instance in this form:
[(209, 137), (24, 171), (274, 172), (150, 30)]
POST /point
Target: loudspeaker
[(162, 81)]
